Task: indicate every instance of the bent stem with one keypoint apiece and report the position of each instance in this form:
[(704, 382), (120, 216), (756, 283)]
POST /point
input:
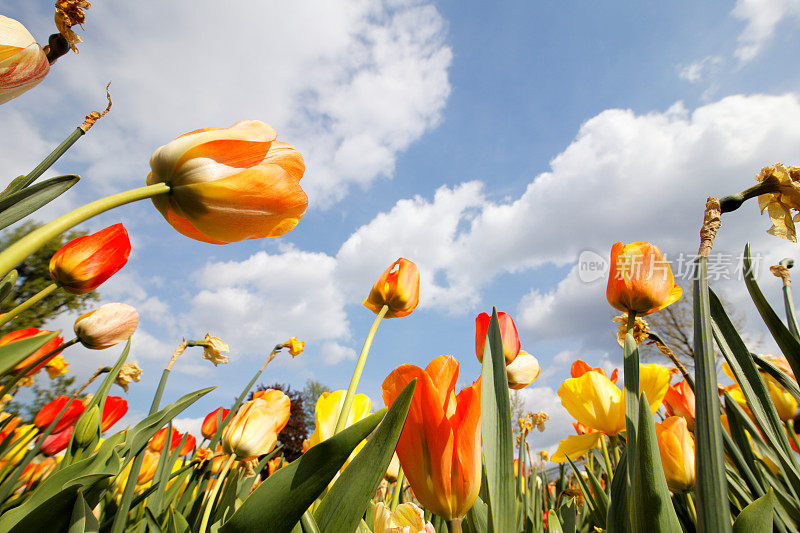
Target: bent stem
[(362, 360), (214, 492), (27, 304), (17, 252)]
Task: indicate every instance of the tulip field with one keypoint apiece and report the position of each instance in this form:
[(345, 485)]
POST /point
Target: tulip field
[(656, 447)]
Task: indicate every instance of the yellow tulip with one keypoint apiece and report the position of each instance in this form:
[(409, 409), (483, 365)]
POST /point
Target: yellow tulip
[(406, 518), (785, 403), (676, 447), (327, 410)]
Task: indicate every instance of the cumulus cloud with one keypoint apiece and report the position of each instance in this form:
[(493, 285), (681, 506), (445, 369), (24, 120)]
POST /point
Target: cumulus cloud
[(762, 18)]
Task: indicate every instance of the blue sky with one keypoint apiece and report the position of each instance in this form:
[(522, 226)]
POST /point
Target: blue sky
[(490, 146)]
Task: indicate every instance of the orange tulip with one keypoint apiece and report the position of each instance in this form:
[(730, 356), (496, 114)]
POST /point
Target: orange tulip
[(397, 287), (9, 426), (209, 427), (48, 413), (676, 447), (159, 439), (679, 401), (580, 367), (51, 345), (149, 467), (253, 431), (113, 410), (440, 446), (508, 332), (83, 264), (23, 63), (106, 326), (273, 464), (640, 279), (230, 184)]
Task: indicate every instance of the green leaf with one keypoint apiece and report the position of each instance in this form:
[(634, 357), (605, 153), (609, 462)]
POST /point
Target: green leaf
[(594, 510), (711, 487), (344, 505), (651, 505), (284, 496), (7, 285), (82, 519), (568, 515), (14, 353), (617, 520), (756, 517), (780, 376), (478, 517), (553, 523), (22, 203), (498, 438)]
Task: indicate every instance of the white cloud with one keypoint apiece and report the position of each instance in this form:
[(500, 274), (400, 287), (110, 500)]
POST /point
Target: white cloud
[(192, 425), (762, 17), (371, 80), (558, 427), (698, 70)]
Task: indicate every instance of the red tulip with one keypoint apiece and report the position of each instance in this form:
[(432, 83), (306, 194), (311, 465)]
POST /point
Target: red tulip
[(114, 409), (51, 345), (49, 412), (508, 332), (209, 427), (56, 442), (83, 264)]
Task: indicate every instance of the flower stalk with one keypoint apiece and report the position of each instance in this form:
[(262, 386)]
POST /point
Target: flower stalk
[(27, 304), (214, 492)]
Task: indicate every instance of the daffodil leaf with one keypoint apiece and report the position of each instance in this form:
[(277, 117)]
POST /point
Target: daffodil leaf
[(498, 438), (711, 486), (618, 516), (344, 505), (756, 517), (283, 497), (20, 204)]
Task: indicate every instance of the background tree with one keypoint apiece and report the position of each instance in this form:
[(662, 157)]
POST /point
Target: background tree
[(42, 395), (33, 276), (311, 393), (296, 430)]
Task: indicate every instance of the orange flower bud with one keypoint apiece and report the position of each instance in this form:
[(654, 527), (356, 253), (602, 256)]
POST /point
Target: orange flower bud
[(113, 410), (51, 345), (508, 332), (48, 413), (253, 431), (443, 426), (23, 63), (209, 427), (149, 467), (230, 184), (83, 264), (397, 287), (159, 439), (679, 401), (106, 326), (640, 279), (676, 447)]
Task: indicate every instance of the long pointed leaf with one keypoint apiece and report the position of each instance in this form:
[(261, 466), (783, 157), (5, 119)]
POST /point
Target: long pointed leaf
[(17, 206), (756, 517)]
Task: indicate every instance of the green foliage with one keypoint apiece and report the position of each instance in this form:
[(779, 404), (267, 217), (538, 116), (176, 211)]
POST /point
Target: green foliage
[(42, 395), (33, 276), (311, 393)]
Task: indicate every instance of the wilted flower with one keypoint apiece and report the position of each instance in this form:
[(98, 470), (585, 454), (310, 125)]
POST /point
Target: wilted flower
[(213, 348), (23, 63), (253, 431), (398, 288), (640, 279), (641, 329), (779, 204), (83, 264), (539, 419), (106, 326), (441, 425), (508, 333), (676, 446), (295, 346), (21, 334), (129, 373), (406, 518), (56, 366), (68, 14), (230, 184)]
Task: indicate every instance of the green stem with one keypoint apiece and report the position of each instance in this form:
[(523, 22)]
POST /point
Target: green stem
[(454, 525), (631, 376), (23, 181), (607, 459), (520, 464), (22, 373), (27, 304), (792, 435), (17, 252), (130, 486), (308, 523), (690, 505), (398, 488), (791, 321), (614, 441), (362, 360), (214, 492)]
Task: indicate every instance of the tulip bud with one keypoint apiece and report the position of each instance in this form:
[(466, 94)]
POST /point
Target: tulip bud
[(211, 421), (676, 447), (230, 184), (83, 264), (106, 326), (522, 371), (397, 287), (88, 428), (508, 332), (23, 63), (640, 279), (253, 431), (406, 518)]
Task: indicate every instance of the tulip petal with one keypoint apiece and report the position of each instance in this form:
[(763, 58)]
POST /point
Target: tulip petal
[(595, 402), (654, 381), (575, 446)]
